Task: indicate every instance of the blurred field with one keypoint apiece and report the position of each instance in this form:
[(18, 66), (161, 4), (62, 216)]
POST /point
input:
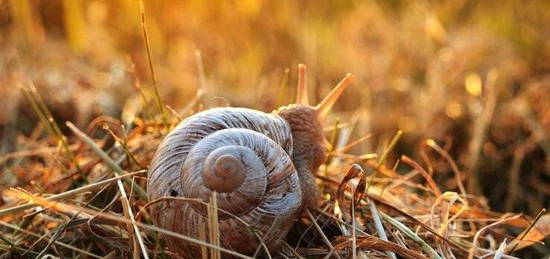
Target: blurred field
[(473, 76)]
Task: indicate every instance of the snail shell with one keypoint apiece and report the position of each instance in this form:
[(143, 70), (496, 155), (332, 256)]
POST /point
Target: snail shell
[(260, 165), (266, 197)]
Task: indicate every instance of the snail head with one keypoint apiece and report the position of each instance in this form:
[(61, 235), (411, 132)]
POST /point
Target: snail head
[(306, 121)]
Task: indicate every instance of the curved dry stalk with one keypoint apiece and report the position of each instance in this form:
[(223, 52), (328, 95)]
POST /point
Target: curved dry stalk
[(471, 253), (431, 143), (433, 186)]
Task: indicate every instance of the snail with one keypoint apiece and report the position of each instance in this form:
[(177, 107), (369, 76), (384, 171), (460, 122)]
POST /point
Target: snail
[(261, 167)]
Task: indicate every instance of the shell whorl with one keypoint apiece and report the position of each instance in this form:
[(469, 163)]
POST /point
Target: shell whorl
[(265, 165), (193, 160), (225, 168)]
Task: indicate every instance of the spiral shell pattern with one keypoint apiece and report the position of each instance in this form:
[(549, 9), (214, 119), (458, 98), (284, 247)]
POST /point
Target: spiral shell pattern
[(267, 198)]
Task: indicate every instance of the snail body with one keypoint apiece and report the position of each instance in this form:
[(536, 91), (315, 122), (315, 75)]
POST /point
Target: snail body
[(260, 166)]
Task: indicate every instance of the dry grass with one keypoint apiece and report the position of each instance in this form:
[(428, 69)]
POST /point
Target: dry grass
[(466, 83), (392, 213)]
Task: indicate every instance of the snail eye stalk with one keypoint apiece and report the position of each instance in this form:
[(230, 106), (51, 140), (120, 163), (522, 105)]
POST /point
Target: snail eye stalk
[(301, 95), (323, 108)]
